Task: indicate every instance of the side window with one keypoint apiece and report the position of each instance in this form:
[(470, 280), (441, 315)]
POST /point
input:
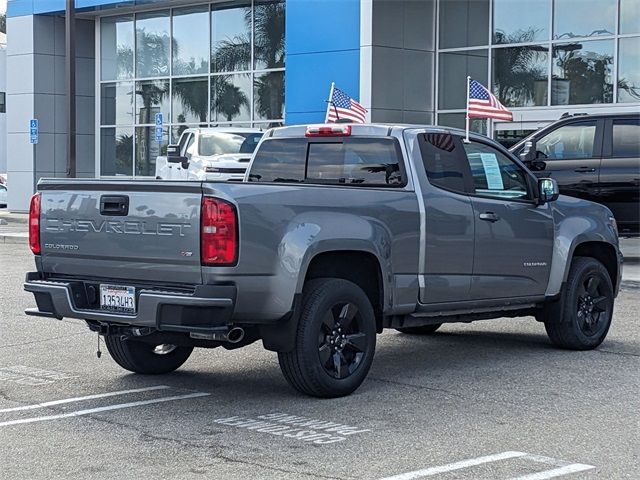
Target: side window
[(443, 157), (626, 138), (182, 142), (190, 147), (279, 160), (495, 174), (573, 141), (355, 161)]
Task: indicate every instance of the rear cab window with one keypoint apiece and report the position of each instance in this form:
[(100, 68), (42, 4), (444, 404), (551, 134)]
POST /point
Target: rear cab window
[(355, 161)]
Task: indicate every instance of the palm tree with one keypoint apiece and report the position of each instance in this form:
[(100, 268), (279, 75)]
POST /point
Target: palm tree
[(235, 54), (517, 70), (228, 98)]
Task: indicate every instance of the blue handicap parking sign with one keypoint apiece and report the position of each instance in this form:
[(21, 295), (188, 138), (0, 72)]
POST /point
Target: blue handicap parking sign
[(159, 119), (159, 134), (33, 131)]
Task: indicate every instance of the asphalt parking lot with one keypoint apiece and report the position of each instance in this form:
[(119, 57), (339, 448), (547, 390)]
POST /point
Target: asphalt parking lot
[(488, 400)]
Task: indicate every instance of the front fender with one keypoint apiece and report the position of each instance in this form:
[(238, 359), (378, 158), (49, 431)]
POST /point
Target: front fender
[(576, 222)]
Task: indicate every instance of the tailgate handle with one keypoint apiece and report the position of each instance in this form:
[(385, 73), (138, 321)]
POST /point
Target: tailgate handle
[(114, 205)]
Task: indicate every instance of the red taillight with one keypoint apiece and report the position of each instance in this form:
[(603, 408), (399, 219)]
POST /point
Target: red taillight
[(219, 232), (328, 131), (34, 224)]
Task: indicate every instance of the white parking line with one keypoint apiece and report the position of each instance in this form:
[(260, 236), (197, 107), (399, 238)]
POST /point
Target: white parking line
[(103, 409), (81, 399), (427, 472), (556, 472)]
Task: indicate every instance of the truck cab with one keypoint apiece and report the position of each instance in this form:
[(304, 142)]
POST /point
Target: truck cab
[(209, 154)]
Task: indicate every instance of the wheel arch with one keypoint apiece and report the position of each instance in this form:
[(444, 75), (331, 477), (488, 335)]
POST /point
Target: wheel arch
[(604, 252), (360, 267)]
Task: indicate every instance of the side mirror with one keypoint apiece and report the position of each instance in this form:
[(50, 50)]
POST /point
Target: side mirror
[(185, 163), (537, 165), (173, 155), (548, 190), (529, 152)]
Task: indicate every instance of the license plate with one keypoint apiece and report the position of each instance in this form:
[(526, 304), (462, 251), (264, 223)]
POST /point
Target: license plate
[(116, 298)]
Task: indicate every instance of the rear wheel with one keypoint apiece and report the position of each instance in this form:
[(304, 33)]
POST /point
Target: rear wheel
[(147, 358), (335, 340), (586, 314), (423, 330)]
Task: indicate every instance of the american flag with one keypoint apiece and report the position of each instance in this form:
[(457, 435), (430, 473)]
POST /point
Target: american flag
[(483, 104), (342, 106), (441, 141)]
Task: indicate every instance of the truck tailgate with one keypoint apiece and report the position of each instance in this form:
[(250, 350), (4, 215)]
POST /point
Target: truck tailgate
[(134, 230)]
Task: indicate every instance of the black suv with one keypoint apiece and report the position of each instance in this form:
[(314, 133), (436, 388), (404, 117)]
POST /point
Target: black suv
[(596, 157)]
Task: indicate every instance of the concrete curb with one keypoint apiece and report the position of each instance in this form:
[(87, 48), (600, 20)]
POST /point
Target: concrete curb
[(14, 238)]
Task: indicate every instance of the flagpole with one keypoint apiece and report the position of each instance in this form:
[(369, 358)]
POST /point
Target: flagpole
[(467, 116), (329, 103)]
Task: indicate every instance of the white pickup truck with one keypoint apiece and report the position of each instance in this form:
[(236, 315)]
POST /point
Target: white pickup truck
[(209, 154)]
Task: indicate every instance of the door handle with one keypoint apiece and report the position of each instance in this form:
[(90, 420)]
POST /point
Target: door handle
[(489, 217), (114, 205), (584, 170)]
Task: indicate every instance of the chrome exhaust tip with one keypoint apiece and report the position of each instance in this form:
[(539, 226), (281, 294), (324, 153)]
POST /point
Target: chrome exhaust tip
[(235, 335)]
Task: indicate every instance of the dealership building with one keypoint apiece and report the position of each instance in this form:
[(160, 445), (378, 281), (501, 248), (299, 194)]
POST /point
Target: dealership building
[(271, 62)]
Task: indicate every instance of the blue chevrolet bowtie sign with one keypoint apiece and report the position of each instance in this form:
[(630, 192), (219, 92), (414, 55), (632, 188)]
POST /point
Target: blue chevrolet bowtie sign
[(33, 131)]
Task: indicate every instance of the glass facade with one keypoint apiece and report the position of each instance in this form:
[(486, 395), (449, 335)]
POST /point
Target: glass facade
[(206, 65), (537, 53)]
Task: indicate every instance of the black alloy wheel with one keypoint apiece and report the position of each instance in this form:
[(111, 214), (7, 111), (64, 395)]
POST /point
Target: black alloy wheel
[(335, 339), (582, 320), (342, 343), (592, 305)]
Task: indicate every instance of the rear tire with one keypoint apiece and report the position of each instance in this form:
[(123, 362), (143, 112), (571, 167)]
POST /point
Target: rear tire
[(423, 330), (335, 340), (586, 315), (146, 358)]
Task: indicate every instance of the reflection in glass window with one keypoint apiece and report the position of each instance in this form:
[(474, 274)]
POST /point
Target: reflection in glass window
[(569, 142), (116, 105), (190, 40), (629, 16), (190, 100), (582, 73), (116, 47), (442, 159), (268, 34), (494, 174), (355, 161), (147, 150), (520, 75), (457, 120), (231, 97), (626, 138), (629, 70), (520, 21), (269, 95), (177, 131), (231, 38), (584, 18), (218, 143), (464, 23), (152, 44), (116, 151), (453, 70), (280, 160), (152, 96)]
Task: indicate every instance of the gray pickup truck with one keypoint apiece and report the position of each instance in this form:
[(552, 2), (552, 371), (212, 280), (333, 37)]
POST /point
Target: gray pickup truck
[(338, 232)]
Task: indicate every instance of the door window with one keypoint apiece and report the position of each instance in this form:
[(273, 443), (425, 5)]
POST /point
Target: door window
[(190, 149), (626, 138), (495, 174), (443, 158), (573, 141)]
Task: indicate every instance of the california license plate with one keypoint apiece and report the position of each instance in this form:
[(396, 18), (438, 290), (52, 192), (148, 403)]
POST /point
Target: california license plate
[(116, 298)]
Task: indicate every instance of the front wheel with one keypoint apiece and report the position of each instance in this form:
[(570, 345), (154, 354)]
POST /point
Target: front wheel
[(335, 340), (586, 314), (147, 358)]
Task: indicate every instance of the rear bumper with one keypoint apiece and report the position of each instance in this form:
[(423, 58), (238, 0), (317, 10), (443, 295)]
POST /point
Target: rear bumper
[(208, 308)]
